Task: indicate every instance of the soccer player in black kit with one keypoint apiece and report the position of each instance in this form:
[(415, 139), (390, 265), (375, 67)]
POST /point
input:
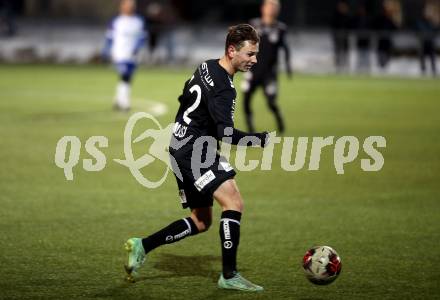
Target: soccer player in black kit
[(272, 38), (205, 117)]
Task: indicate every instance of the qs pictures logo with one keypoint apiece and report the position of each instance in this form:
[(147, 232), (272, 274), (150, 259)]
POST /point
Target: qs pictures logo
[(346, 150)]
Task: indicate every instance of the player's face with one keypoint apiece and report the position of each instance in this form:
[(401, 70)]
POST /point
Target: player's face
[(127, 7), (270, 10), (243, 59)]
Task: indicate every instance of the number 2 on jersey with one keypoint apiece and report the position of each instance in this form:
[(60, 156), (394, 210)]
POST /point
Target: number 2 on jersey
[(195, 88)]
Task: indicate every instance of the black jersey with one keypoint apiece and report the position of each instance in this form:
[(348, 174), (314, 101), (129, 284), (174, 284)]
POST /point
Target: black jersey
[(272, 39), (207, 105)]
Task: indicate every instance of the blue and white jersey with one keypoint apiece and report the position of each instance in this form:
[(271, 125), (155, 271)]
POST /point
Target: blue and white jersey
[(127, 35)]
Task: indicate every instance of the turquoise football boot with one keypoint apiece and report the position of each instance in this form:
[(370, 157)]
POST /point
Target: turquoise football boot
[(239, 283), (136, 257)]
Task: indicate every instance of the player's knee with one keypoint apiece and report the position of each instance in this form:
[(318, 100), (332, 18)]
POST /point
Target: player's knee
[(234, 202), (202, 223), (228, 196), (238, 206), (206, 225)]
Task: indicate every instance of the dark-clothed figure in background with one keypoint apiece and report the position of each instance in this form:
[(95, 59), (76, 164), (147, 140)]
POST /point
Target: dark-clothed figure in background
[(363, 39), (386, 24), (265, 73), (162, 19), (7, 24), (341, 25), (428, 27)]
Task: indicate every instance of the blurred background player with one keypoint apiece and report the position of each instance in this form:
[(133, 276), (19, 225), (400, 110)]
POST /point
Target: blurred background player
[(341, 25), (428, 27), (272, 37), (386, 24), (362, 25), (7, 23), (125, 37)]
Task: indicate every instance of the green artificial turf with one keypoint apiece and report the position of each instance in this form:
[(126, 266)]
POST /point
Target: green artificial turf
[(63, 239)]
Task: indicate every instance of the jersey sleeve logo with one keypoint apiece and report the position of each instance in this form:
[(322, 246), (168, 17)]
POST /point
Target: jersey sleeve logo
[(206, 77)]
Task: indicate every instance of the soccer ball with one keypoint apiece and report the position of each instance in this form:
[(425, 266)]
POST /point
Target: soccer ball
[(322, 265)]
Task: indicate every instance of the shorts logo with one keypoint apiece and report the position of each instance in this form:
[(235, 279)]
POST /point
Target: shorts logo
[(245, 85), (227, 245), (226, 166), (204, 180), (271, 88), (169, 238), (273, 37)]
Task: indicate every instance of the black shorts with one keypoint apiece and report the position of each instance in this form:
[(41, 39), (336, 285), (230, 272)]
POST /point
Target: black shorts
[(196, 187), (268, 81)]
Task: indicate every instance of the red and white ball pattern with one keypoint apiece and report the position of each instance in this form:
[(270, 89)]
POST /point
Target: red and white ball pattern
[(322, 265)]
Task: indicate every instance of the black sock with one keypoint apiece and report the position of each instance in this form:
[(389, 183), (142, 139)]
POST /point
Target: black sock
[(230, 237), (170, 234)]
